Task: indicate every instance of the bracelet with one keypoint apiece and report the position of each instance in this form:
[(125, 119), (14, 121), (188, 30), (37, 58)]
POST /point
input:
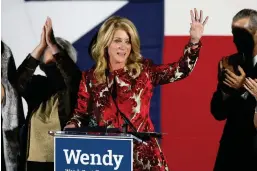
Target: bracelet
[(194, 44)]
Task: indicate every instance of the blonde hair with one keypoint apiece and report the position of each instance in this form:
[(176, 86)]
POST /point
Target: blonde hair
[(104, 38)]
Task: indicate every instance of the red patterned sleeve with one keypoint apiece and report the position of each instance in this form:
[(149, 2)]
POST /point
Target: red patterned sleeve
[(168, 73), (80, 114)]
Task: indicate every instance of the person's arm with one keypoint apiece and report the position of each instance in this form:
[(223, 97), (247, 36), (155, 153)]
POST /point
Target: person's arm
[(25, 74), (80, 115), (168, 73), (229, 89), (28, 67), (220, 104), (163, 74), (69, 70)]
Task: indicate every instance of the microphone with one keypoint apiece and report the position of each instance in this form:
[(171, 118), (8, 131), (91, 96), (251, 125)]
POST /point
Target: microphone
[(114, 97)]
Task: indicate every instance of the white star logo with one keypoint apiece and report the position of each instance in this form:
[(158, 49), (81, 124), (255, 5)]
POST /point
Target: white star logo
[(22, 21)]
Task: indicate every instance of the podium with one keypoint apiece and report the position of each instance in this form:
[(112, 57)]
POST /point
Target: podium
[(93, 151)]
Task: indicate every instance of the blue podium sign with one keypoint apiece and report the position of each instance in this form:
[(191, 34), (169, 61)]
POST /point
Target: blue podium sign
[(93, 154)]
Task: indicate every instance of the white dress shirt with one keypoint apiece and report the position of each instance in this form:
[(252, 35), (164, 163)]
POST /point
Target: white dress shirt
[(254, 63), (254, 60)]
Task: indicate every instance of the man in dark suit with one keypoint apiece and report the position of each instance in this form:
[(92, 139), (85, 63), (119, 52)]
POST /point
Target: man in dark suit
[(233, 102)]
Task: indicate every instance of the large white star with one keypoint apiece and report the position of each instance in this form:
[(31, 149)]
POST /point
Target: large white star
[(22, 21)]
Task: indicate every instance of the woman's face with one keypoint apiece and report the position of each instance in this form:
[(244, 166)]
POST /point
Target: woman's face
[(119, 49)]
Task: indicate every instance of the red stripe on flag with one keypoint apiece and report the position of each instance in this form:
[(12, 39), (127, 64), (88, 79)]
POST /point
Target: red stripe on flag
[(193, 134)]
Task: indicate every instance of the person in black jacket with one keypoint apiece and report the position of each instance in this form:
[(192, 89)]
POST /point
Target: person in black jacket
[(233, 102), (12, 116), (50, 98)]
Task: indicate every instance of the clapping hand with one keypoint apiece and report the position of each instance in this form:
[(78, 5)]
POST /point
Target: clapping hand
[(251, 86)]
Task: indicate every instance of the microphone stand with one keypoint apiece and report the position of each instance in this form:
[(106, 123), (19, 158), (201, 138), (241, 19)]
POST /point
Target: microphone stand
[(126, 121), (143, 136), (123, 116)]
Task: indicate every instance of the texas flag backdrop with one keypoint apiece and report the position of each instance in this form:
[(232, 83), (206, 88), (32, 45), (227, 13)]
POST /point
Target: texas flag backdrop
[(180, 109)]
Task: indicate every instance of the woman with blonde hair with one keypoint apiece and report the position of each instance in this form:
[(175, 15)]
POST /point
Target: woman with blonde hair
[(123, 81)]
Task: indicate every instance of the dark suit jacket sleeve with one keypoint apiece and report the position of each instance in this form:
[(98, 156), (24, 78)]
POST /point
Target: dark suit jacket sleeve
[(24, 76), (219, 105), (69, 70)]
